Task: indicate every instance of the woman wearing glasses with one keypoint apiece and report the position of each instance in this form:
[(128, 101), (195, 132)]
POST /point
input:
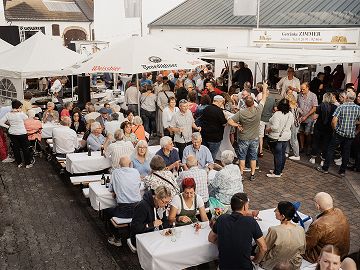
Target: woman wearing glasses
[(150, 213), (140, 158)]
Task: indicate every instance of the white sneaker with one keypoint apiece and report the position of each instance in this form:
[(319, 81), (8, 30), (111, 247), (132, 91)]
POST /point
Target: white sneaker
[(294, 158), (20, 165), (271, 175), (114, 242), (272, 172), (28, 166), (247, 170), (8, 160), (338, 160), (130, 245), (312, 160)]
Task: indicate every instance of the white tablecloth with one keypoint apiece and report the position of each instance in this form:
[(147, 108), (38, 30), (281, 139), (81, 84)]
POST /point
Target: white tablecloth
[(100, 197), (159, 252), (47, 130), (82, 163)]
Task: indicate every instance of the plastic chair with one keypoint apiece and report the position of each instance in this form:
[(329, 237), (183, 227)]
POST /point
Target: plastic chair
[(297, 206)]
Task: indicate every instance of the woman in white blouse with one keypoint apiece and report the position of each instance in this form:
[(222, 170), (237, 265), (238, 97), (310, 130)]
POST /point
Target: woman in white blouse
[(17, 133), (167, 114)]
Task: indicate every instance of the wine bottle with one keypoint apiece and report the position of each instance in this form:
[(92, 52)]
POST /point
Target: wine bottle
[(107, 181), (103, 179), (89, 150)]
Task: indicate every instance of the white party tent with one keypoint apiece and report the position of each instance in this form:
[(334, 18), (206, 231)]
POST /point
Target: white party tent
[(137, 55), (4, 46), (38, 56)]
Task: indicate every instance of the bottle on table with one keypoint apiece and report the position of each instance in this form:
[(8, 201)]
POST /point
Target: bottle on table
[(107, 183), (103, 179), (89, 150)]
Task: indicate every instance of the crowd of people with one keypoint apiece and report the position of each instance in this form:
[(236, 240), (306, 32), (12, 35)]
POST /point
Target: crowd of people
[(213, 126)]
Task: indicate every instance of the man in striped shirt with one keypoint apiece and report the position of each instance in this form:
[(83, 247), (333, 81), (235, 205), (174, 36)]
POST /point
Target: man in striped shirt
[(344, 121)]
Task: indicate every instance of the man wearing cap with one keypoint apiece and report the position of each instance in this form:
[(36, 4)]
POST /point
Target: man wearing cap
[(182, 124), (213, 120), (104, 117)]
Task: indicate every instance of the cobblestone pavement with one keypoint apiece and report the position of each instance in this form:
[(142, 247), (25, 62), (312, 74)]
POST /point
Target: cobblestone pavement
[(47, 224)]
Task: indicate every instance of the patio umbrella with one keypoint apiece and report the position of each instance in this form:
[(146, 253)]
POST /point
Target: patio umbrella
[(138, 55)]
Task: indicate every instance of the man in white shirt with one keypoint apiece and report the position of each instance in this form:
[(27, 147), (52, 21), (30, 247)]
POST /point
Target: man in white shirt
[(113, 125), (118, 149), (92, 113), (290, 82), (132, 96), (64, 138)]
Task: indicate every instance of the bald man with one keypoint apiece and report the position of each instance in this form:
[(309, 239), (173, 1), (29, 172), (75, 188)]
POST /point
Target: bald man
[(125, 186), (330, 227)]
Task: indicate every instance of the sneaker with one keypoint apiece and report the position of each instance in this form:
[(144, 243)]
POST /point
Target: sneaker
[(294, 158), (337, 162), (28, 166), (8, 160), (257, 167), (261, 155), (32, 161), (272, 172), (320, 169), (115, 242), (272, 175), (130, 245), (20, 165), (252, 177), (247, 170), (286, 155), (312, 160)]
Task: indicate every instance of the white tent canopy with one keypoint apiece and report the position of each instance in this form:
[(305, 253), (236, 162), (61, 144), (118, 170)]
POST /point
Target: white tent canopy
[(38, 56), (138, 55), (287, 55), (4, 46)]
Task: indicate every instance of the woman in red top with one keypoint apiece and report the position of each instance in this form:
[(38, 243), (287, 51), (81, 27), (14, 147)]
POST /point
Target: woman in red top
[(66, 111)]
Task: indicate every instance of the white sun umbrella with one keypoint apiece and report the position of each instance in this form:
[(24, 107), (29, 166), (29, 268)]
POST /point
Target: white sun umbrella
[(137, 55)]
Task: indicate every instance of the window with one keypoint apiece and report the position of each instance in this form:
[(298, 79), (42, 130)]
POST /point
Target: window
[(7, 89), (189, 49), (55, 30), (207, 50), (61, 6)]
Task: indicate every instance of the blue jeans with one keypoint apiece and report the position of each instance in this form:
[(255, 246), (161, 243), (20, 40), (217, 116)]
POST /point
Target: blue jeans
[(345, 146), (278, 149), (248, 148), (213, 147)]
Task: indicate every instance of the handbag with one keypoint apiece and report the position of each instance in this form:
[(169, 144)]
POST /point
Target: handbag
[(163, 178)]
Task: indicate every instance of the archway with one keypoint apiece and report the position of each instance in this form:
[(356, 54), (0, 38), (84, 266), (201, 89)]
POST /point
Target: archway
[(73, 34)]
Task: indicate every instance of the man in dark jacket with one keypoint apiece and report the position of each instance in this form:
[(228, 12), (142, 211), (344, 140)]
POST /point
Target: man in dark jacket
[(144, 220)]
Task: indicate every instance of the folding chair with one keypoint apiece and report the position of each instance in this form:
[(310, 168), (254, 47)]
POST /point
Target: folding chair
[(297, 206)]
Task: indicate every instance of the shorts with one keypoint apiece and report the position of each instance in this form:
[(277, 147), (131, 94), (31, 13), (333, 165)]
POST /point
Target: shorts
[(262, 127), (248, 148), (306, 127)]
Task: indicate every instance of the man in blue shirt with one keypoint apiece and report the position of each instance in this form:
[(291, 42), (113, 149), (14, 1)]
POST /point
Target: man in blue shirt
[(344, 121), (233, 234), (125, 186), (201, 152), (169, 153)]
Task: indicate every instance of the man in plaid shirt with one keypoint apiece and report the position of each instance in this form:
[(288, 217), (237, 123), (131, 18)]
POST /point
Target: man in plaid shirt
[(200, 176), (344, 121)]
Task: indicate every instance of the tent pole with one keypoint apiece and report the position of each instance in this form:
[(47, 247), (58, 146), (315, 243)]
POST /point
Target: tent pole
[(72, 87), (138, 88)]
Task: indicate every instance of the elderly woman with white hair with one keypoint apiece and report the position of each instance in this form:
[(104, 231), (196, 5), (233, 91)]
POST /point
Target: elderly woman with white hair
[(50, 115), (228, 180), (140, 158), (96, 139), (138, 128), (169, 153)]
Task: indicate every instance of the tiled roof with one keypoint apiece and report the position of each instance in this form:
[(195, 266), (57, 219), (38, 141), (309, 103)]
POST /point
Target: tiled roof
[(273, 13), (36, 10)]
